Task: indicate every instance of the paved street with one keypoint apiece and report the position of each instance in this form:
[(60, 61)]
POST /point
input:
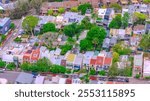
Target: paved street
[(10, 76), (136, 81), (14, 34)]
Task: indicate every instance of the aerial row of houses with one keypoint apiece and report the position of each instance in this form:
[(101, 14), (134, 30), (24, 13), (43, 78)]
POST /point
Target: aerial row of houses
[(60, 21), (72, 59), (74, 3), (26, 78)]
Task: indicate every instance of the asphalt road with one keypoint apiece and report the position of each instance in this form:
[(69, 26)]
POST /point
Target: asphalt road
[(10, 76)]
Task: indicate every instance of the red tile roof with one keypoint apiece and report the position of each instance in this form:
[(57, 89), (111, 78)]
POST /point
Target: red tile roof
[(100, 60), (93, 78), (107, 61), (92, 61), (68, 81)]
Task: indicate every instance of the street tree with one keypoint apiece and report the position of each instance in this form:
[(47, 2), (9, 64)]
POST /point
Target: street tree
[(29, 24), (11, 66), (61, 10), (2, 64)]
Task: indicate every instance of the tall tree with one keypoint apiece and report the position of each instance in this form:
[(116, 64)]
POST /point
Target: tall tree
[(116, 7), (139, 18), (125, 20), (145, 42), (115, 57), (36, 4), (116, 22), (83, 8), (49, 27), (113, 70), (29, 24), (85, 45)]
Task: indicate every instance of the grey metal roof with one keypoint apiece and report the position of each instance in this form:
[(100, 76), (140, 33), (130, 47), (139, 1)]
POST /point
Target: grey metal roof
[(106, 43), (25, 78), (113, 40)]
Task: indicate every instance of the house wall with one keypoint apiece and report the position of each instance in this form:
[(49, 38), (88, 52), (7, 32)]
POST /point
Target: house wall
[(5, 28)]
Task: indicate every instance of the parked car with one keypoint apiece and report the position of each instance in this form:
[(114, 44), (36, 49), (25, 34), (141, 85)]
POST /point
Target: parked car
[(102, 78), (2, 70)]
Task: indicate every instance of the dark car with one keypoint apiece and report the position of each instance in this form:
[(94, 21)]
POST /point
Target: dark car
[(111, 79), (102, 78)]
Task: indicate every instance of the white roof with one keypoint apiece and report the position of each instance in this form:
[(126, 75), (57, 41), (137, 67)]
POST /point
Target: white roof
[(57, 51), (39, 80), (62, 80), (121, 32), (7, 58), (101, 11), (89, 54), (138, 59)]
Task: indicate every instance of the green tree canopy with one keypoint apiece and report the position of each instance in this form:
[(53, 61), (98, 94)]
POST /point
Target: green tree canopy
[(145, 42), (61, 10), (84, 7), (116, 22), (96, 32), (72, 29), (50, 12), (116, 6), (58, 69), (2, 64), (86, 23), (115, 57), (113, 70), (29, 24), (85, 45), (102, 73), (74, 9), (139, 18), (146, 1), (125, 20), (92, 72), (11, 66), (49, 27)]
